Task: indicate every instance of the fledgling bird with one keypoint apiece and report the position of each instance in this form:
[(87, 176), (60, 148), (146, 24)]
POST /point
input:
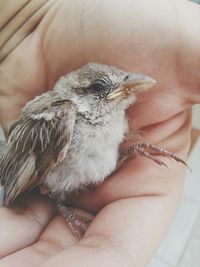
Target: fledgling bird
[(68, 138)]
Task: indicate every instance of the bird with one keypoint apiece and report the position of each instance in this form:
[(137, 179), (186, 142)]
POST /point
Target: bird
[(68, 138)]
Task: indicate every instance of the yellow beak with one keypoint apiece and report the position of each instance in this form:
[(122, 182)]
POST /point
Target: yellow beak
[(134, 83)]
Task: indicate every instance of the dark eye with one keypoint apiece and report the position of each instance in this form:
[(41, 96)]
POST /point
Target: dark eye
[(99, 88), (96, 88)]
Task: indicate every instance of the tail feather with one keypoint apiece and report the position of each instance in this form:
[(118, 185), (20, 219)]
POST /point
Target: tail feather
[(16, 175)]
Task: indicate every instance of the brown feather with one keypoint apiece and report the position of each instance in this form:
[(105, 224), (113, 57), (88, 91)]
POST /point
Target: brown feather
[(35, 143)]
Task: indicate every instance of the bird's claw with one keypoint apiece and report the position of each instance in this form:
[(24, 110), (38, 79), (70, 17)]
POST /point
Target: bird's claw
[(149, 151), (74, 220)]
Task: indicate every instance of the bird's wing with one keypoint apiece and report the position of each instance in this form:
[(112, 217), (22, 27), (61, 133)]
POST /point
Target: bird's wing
[(37, 142), (2, 144)]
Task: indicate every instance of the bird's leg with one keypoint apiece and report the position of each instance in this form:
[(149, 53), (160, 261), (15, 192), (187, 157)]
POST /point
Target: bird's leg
[(73, 220), (149, 151)]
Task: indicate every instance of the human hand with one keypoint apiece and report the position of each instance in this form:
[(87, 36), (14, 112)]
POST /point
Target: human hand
[(133, 207)]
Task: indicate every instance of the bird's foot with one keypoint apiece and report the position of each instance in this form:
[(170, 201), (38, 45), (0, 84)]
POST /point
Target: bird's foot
[(149, 151), (74, 220)]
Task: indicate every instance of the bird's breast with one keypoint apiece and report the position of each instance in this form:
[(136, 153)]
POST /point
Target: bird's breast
[(92, 156)]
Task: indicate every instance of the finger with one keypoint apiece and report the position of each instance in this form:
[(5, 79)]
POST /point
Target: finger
[(56, 237), (143, 115), (21, 225)]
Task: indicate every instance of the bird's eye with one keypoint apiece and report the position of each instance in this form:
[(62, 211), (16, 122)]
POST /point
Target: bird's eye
[(98, 89)]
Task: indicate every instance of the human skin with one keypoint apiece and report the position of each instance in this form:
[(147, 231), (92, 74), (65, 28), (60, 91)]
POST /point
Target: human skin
[(133, 208)]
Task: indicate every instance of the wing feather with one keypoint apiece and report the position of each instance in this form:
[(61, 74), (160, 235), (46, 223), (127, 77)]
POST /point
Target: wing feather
[(36, 143)]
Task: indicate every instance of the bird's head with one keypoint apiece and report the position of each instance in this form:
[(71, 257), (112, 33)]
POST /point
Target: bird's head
[(98, 89)]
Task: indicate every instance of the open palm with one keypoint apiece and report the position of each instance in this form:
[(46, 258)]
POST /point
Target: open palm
[(133, 208)]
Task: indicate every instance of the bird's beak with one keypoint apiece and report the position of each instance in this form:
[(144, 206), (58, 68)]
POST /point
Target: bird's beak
[(132, 84)]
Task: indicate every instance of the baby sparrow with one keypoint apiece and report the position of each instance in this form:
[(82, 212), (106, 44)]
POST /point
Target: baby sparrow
[(68, 138)]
